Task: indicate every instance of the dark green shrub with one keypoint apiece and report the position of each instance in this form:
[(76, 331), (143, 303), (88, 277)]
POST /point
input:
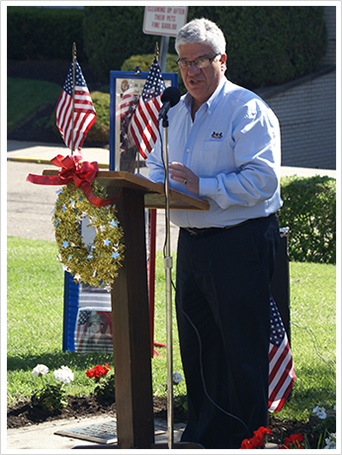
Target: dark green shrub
[(145, 61), (309, 211), (99, 132), (267, 45), (44, 33), (113, 34)]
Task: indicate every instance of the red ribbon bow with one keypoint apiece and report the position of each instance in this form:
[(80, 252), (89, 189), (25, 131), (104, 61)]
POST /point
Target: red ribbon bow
[(81, 173)]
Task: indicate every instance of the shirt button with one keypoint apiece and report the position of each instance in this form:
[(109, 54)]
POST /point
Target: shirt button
[(188, 150)]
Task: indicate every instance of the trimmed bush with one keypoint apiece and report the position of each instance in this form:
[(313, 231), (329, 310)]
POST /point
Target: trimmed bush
[(44, 33), (269, 45), (266, 45), (145, 61), (309, 211), (113, 34), (99, 132)]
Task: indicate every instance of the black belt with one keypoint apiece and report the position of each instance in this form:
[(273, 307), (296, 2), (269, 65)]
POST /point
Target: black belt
[(214, 230)]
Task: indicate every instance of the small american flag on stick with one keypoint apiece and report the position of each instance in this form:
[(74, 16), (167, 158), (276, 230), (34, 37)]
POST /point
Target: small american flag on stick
[(82, 325), (144, 124), (281, 375), (127, 106), (74, 130)]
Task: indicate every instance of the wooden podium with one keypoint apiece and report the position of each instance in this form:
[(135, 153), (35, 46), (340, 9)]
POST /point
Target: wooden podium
[(130, 307)]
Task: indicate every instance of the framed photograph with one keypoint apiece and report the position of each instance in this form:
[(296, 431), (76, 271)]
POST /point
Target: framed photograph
[(93, 332), (126, 88)]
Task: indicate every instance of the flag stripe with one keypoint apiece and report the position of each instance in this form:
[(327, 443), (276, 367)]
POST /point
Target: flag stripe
[(143, 127), (281, 368), (277, 401), (282, 385), (84, 112), (276, 375)]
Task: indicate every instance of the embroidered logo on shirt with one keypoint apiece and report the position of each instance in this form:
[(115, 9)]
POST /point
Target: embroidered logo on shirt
[(216, 135)]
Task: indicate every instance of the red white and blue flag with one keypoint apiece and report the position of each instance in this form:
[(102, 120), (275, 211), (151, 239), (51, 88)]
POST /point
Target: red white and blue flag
[(126, 108), (281, 375), (84, 111), (143, 127)]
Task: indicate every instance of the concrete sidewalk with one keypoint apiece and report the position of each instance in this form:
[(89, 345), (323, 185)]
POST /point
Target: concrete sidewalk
[(42, 437), (43, 153)]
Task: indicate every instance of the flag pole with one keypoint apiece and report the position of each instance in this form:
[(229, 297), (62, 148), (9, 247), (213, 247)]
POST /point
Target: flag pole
[(73, 96)]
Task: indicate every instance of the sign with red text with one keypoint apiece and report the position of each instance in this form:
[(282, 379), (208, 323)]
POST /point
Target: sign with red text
[(164, 20)]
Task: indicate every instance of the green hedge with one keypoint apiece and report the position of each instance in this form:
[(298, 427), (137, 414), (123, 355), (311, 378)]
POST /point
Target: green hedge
[(145, 61), (267, 45), (309, 211), (112, 34), (44, 33)]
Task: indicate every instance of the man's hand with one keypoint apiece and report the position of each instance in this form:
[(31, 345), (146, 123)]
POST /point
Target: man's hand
[(184, 175)]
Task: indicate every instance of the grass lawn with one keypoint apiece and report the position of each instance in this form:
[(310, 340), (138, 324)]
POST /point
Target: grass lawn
[(26, 96), (35, 328)]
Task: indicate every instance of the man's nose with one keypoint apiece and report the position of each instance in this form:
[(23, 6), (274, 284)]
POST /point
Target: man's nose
[(193, 69)]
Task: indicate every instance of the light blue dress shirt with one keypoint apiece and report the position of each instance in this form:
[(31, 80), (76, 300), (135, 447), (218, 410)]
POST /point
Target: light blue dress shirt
[(233, 146)]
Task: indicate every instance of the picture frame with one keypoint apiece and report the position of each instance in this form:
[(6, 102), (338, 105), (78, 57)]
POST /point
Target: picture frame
[(122, 156)]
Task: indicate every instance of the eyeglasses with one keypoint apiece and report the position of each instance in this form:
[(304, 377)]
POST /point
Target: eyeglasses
[(199, 62)]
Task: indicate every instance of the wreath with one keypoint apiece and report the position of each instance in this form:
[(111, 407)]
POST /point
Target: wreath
[(97, 263)]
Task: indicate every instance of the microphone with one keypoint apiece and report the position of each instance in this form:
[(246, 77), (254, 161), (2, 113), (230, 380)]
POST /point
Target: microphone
[(170, 98)]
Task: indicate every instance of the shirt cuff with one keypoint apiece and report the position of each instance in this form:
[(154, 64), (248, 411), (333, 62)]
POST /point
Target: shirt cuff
[(207, 187)]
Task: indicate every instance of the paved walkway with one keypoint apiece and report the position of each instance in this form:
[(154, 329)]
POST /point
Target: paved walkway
[(44, 439)]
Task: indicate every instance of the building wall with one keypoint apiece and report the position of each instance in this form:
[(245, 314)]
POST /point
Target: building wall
[(330, 19), (306, 109), (307, 116)]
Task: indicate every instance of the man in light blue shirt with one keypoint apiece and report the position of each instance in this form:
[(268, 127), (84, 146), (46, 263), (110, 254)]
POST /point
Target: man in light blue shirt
[(224, 146)]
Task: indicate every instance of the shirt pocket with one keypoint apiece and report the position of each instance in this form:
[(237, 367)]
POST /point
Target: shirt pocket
[(214, 158)]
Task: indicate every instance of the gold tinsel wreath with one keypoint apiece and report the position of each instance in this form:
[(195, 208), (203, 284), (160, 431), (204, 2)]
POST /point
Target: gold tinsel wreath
[(96, 264)]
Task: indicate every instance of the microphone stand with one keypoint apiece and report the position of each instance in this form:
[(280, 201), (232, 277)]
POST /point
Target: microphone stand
[(168, 267)]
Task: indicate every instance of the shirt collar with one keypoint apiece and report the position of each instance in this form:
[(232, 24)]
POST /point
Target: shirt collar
[(210, 103)]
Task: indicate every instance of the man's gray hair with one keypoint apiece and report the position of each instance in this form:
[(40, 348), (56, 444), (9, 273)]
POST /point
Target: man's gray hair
[(202, 31)]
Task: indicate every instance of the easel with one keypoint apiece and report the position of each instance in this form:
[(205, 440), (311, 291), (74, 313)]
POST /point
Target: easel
[(130, 314)]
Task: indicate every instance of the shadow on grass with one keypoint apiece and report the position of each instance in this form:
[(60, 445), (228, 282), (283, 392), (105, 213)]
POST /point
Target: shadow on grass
[(313, 387), (56, 359)]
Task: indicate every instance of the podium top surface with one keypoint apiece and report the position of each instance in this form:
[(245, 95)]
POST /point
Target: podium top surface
[(153, 192)]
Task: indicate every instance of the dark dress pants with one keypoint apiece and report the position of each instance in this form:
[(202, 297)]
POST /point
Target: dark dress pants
[(222, 304)]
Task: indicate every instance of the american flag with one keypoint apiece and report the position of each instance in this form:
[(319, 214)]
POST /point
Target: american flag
[(84, 112), (144, 123), (127, 106), (82, 326), (281, 369)]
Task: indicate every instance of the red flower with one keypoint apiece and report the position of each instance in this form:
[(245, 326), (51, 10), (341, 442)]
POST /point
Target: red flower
[(247, 444), (293, 442), (98, 371), (257, 442)]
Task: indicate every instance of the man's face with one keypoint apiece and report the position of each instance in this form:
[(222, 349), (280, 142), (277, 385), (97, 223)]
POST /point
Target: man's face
[(95, 327), (201, 82)]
